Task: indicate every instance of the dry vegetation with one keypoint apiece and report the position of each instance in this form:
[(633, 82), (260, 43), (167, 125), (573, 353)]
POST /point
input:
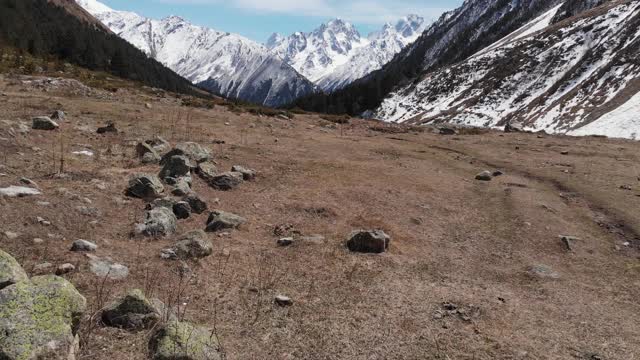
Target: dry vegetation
[(454, 284)]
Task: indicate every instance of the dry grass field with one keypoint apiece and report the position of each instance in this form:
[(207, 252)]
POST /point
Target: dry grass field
[(455, 283)]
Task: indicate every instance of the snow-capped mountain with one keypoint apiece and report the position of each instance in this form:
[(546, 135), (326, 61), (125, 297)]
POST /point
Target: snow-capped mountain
[(568, 71), (335, 54), (228, 64)]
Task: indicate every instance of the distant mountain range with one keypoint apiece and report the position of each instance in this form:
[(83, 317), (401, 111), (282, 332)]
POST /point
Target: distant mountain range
[(275, 74)]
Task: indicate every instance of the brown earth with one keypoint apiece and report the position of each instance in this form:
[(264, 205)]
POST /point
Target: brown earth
[(456, 242)]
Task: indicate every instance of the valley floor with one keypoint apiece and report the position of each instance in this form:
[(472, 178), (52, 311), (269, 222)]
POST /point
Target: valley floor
[(456, 283)]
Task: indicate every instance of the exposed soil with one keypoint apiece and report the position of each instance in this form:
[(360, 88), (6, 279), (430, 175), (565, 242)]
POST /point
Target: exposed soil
[(453, 285)]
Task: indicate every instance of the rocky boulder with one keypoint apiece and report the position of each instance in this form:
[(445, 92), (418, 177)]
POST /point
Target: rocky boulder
[(184, 341), (182, 210), (39, 319), (221, 220), (194, 151), (10, 271), (43, 123), (192, 245), (247, 174), (159, 221), (198, 206), (226, 181), (175, 167), (368, 241), (145, 186), (147, 153), (58, 115), (207, 171), (132, 312)]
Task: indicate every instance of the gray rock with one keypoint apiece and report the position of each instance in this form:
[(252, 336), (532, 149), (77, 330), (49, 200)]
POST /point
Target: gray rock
[(105, 267), (181, 187), (10, 271), (145, 186), (162, 202), (19, 191), (58, 115), (83, 245), (194, 151), (109, 128), (226, 181), (542, 272), (39, 319), (221, 220), (484, 176), (144, 150), (184, 341), (247, 174), (313, 239), (198, 206), (182, 210), (132, 312), (282, 300), (43, 123), (368, 241), (207, 171), (447, 131), (192, 245), (42, 268), (65, 269), (158, 221), (175, 167)]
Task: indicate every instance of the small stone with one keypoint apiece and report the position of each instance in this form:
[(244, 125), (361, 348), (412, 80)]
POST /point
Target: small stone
[(542, 272), (38, 241), (42, 221), (287, 241), (247, 174), (159, 221), (282, 300), (368, 241), (107, 268), (221, 220), (192, 245), (58, 115), (43, 268), (65, 269), (148, 106), (29, 182), (568, 241), (11, 235), (133, 312), (182, 210), (43, 123), (109, 128), (83, 245), (19, 191), (484, 176), (497, 173), (564, 153)]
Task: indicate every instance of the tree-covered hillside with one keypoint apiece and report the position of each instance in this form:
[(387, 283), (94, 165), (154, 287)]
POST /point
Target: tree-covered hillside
[(44, 28)]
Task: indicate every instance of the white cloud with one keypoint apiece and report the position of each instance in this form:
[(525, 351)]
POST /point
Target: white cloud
[(360, 11)]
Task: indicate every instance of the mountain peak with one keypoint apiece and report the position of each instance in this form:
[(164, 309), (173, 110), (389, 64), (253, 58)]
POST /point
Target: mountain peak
[(94, 6)]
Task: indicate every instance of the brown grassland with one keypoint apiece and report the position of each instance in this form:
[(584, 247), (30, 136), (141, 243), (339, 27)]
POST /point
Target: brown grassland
[(455, 241)]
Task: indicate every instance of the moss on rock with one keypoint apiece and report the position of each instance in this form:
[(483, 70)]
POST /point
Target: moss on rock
[(184, 341), (39, 318), (10, 271), (133, 312)]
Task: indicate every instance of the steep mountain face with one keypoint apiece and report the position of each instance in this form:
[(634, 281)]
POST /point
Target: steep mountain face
[(575, 76), (453, 38), (335, 54), (64, 30), (228, 64)]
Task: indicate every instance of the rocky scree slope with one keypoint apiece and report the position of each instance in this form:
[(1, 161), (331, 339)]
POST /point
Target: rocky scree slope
[(559, 77)]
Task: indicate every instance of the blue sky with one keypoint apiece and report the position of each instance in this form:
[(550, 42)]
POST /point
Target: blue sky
[(257, 19)]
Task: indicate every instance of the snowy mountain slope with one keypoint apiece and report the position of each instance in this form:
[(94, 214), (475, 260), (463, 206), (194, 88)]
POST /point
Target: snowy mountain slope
[(335, 54), (560, 79), (228, 64)]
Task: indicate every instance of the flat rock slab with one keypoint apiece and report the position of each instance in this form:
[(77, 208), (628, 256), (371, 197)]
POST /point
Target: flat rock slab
[(221, 220), (19, 191)]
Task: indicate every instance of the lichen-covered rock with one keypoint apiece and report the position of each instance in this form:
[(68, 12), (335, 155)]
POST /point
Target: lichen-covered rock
[(181, 187), (220, 220), (43, 123), (132, 312), (192, 245), (368, 241), (10, 271), (145, 186), (194, 151), (207, 171), (39, 319), (247, 174), (184, 341), (175, 167), (159, 221), (226, 181)]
